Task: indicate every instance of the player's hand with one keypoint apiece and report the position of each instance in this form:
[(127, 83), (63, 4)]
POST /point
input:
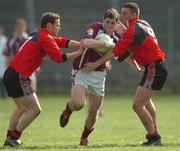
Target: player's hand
[(120, 28), (109, 44), (89, 67)]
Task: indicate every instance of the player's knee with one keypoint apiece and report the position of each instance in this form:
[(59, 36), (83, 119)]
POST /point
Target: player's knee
[(36, 111), (79, 105), (76, 104), (135, 107)]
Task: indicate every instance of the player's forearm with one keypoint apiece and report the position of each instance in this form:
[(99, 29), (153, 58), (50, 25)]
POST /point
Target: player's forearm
[(74, 44), (92, 43), (73, 55), (132, 62), (109, 55)]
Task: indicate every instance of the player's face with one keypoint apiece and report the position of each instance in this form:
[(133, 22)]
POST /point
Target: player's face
[(20, 26), (126, 14), (55, 28), (109, 25)]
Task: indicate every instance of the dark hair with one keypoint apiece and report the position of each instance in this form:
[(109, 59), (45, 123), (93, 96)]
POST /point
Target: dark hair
[(133, 7), (48, 17), (111, 13)]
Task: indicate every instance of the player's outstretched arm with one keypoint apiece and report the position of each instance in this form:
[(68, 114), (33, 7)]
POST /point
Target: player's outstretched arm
[(93, 43), (74, 44), (91, 66), (71, 56)]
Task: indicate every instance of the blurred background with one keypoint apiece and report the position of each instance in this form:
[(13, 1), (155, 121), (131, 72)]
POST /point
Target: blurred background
[(163, 15)]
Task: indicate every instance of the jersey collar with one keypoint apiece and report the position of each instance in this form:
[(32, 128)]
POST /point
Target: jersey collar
[(131, 21)]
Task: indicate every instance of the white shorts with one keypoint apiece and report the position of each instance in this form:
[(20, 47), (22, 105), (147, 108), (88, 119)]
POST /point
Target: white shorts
[(94, 82)]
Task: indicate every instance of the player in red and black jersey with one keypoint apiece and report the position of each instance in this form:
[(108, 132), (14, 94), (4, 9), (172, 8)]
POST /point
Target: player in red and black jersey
[(14, 43), (30, 57), (140, 42)]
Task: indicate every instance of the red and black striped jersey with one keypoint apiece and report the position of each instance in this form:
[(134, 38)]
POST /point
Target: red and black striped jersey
[(141, 42), (31, 54)]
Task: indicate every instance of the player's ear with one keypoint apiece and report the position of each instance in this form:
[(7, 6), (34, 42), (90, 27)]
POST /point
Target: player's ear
[(48, 26)]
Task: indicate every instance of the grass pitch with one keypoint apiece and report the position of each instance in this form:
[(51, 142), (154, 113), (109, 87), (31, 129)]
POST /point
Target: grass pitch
[(118, 129)]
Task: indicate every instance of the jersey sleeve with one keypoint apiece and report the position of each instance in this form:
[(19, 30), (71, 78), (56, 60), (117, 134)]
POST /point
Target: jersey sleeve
[(62, 42), (49, 45), (125, 42)]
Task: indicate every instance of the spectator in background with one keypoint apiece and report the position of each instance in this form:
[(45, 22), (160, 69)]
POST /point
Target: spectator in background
[(15, 41), (3, 41)]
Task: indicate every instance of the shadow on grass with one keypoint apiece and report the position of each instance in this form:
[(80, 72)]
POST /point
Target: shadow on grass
[(93, 146), (70, 146), (162, 145), (64, 147)]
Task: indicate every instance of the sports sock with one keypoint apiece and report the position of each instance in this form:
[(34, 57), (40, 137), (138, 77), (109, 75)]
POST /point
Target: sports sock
[(86, 132), (68, 110), (154, 134), (14, 134), (9, 132)]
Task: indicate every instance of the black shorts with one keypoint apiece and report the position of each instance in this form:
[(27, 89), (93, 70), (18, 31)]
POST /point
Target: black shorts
[(155, 75), (16, 84)]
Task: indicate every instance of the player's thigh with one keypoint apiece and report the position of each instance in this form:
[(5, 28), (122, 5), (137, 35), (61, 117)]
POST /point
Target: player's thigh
[(78, 93), (33, 81), (20, 106), (94, 102), (30, 102), (142, 96)]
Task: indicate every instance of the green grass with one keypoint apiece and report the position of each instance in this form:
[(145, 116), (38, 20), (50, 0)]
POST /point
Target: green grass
[(118, 130)]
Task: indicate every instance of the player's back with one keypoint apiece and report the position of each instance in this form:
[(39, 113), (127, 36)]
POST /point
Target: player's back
[(30, 55), (145, 40)]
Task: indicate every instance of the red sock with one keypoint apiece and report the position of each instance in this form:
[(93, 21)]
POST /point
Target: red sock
[(9, 133), (154, 134), (14, 134), (86, 132), (68, 110)]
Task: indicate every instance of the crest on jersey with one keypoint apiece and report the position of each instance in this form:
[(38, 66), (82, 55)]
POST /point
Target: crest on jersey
[(90, 31)]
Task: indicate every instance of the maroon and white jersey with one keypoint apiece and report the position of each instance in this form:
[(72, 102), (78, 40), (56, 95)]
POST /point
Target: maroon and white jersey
[(14, 43), (90, 55)]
